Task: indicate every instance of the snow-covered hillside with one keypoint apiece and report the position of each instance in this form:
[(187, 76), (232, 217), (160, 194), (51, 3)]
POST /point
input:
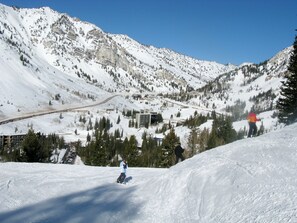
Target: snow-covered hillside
[(251, 180), (256, 85), (51, 58), (51, 61)]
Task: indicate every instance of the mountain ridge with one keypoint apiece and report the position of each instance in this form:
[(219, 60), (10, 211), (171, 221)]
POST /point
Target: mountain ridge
[(53, 60)]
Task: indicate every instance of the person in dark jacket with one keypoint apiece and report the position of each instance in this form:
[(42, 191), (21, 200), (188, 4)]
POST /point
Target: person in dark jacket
[(179, 153)]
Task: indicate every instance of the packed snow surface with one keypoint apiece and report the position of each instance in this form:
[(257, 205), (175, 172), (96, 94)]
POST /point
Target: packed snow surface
[(251, 180)]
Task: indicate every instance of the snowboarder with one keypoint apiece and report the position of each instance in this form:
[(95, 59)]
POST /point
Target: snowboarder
[(123, 169), (179, 153), (252, 119)]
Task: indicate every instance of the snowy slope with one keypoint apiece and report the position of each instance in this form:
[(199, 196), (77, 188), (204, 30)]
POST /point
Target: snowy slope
[(30, 84), (51, 61), (252, 180), (255, 84), (45, 54)]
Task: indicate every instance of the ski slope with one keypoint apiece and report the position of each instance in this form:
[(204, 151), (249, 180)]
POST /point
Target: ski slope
[(251, 180)]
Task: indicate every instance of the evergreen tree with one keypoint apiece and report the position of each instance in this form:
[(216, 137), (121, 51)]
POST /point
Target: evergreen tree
[(150, 155), (222, 131), (287, 103), (133, 153), (213, 140), (203, 139), (61, 142), (168, 145), (153, 153), (119, 148), (108, 140), (117, 133), (96, 124), (88, 138), (193, 142), (88, 153), (227, 132), (90, 125), (32, 148), (100, 148), (145, 151), (119, 120), (125, 152)]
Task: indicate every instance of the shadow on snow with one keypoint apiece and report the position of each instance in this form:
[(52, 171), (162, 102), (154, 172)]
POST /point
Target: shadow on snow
[(107, 203)]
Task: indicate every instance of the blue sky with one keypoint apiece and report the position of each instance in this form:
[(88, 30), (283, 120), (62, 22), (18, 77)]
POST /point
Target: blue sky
[(225, 31)]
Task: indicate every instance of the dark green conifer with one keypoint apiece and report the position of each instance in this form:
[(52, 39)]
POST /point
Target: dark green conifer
[(287, 103)]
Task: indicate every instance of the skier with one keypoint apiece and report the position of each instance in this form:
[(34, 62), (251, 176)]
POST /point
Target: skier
[(179, 153), (252, 119), (123, 169)]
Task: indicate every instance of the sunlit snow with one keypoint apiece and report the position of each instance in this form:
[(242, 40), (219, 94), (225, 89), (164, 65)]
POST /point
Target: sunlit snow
[(251, 180)]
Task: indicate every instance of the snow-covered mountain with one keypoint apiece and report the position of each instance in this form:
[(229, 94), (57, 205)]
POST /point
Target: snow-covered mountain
[(251, 180), (46, 55), (51, 61), (256, 85)]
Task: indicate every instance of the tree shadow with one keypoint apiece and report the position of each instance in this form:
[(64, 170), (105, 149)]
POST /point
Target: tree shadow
[(107, 203)]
